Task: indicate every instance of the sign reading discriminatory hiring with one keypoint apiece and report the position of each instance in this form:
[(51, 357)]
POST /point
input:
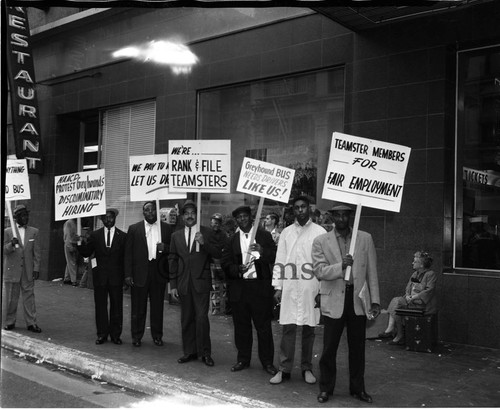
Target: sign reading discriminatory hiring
[(265, 180), (366, 172), (17, 182), (149, 179), (80, 194), (200, 166)]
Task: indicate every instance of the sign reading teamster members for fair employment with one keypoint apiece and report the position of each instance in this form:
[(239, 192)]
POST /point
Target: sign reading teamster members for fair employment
[(149, 179), (200, 166), (80, 195), (366, 172), (266, 180)]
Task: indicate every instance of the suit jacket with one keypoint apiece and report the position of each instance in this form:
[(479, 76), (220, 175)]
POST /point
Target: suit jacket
[(110, 262), (186, 263), (232, 259), (136, 253), (327, 266), (28, 254)]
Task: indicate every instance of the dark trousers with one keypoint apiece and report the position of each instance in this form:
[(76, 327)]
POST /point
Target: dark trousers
[(356, 333), (154, 289), (253, 307), (112, 323), (194, 322)]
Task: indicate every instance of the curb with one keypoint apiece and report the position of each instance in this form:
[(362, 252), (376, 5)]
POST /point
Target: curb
[(121, 374)]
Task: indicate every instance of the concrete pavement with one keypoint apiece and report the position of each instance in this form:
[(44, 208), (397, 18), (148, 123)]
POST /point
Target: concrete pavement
[(452, 376)]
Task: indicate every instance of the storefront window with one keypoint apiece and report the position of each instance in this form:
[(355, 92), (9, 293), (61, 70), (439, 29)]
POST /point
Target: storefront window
[(477, 243), (287, 121)]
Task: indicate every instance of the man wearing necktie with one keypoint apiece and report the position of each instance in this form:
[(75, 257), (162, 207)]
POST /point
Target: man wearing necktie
[(250, 290), (21, 267), (146, 272), (191, 282), (107, 245)]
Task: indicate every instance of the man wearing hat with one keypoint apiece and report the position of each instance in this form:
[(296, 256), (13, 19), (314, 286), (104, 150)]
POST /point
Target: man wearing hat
[(191, 282), (21, 267), (250, 290), (146, 272), (341, 305), (107, 245)]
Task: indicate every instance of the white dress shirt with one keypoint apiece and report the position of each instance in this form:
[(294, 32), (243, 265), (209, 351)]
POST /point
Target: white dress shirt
[(251, 273)]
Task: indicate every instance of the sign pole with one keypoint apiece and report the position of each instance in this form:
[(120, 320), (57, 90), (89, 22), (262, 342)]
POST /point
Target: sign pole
[(198, 216), (157, 202), (353, 239), (79, 229), (255, 226), (12, 223)]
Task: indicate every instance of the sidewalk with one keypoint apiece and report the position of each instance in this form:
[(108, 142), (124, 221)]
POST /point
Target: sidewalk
[(453, 376)]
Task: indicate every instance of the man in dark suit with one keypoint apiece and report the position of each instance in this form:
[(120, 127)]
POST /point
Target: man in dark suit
[(146, 272), (191, 282), (107, 244), (250, 290)]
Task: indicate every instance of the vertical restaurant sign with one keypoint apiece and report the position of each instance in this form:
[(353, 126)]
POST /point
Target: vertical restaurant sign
[(367, 172), (17, 182), (200, 166), (25, 114), (80, 194)]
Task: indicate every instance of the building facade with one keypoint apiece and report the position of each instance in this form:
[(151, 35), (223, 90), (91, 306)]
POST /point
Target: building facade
[(278, 82)]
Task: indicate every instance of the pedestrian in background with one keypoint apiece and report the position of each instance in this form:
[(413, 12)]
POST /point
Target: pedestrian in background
[(146, 272), (21, 267), (271, 225), (296, 288), (250, 290), (107, 246), (340, 304), (191, 282), (70, 252)]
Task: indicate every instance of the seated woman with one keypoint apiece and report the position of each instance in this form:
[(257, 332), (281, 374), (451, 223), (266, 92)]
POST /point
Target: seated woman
[(419, 294)]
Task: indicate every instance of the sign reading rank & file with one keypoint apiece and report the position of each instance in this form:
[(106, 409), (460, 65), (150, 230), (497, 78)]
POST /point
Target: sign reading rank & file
[(200, 166), (366, 172)]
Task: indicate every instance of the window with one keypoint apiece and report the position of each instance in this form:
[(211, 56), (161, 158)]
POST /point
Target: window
[(287, 121), (477, 243), (126, 131)]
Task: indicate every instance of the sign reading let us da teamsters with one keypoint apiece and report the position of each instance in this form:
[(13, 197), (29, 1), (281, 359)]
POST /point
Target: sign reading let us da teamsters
[(366, 172), (200, 165), (266, 180)]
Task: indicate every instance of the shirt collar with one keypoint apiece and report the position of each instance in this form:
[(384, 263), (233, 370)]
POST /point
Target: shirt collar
[(338, 235), (296, 223)]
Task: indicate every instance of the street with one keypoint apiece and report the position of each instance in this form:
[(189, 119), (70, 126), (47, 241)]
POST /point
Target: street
[(26, 384)]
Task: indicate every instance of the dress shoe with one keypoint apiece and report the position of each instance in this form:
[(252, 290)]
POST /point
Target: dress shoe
[(240, 366), (269, 368), (385, 335), (158, 342), (67, 282), (136, 342), (116, 340), (34, 329), (323, 397), (308, 377), (280, 377), (363, 396), (101, 340), (208, 360), (9, 327), (74, 284), (187, 358)]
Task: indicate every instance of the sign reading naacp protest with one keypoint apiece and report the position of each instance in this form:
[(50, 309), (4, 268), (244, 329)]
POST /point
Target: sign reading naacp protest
[(265, 180), (366, 172), (200, 166), (80, 194), (25, 114), (17, 182), (149, 178)]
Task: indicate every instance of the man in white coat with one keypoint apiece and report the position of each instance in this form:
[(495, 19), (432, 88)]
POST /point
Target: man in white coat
[(296, 288)]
